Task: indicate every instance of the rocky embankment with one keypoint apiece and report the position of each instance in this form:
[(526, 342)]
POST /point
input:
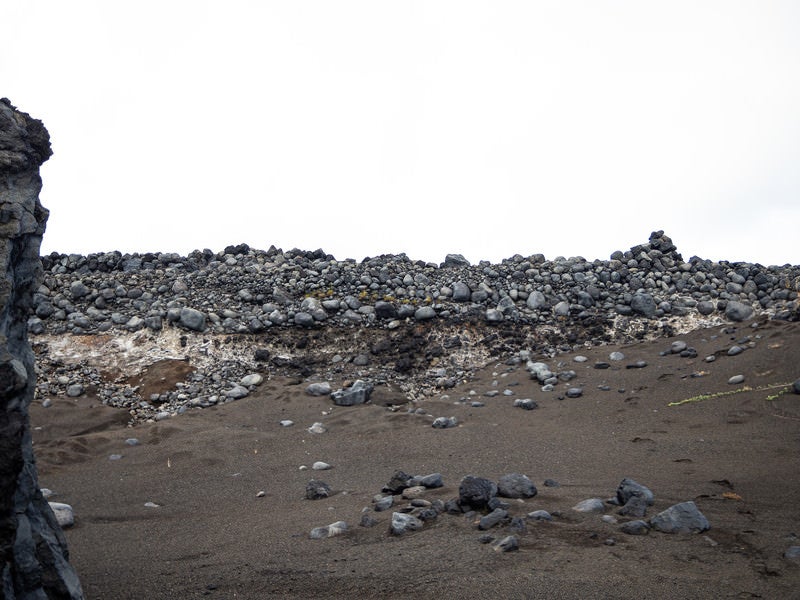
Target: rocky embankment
[(100, 320)]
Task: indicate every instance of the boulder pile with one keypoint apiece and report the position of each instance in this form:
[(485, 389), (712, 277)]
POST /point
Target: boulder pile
[(243, 312), (247, 291)]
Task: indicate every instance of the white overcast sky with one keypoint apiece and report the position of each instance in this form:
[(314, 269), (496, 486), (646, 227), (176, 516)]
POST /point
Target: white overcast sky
[(483, 128)]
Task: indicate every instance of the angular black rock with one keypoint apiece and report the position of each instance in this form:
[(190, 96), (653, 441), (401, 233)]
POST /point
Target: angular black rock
[(476, 492)]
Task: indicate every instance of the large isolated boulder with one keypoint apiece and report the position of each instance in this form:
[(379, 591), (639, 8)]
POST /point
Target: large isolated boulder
[(33, 550)]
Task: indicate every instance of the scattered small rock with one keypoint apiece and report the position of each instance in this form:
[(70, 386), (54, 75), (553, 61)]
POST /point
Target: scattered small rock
[(316, 489), (63, 513), (637, 527), (507, 544), (792, 553), (526, 403), (332, 530), (677, 347), (403, 523), (317, 428), (540, 515), (444, 422)]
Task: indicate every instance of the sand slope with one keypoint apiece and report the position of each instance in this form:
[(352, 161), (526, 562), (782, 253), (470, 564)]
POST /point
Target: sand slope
[(736, 455)]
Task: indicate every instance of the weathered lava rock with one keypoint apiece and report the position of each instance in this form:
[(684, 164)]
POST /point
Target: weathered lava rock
[(33, 550)]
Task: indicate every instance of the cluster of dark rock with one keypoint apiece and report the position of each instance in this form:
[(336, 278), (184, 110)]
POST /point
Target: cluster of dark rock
[(248, 291), (484, 503)]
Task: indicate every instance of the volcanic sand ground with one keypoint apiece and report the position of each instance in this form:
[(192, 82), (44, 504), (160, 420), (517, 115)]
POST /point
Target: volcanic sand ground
[(736, 455)]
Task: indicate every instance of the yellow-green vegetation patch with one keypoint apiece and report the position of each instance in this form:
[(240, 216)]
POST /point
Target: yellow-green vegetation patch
[(783, 387)]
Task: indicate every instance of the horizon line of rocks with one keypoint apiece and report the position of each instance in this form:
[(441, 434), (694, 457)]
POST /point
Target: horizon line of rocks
[(242, 290)]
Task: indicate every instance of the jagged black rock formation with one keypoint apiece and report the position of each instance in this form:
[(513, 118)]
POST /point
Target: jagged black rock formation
[(33, 551)]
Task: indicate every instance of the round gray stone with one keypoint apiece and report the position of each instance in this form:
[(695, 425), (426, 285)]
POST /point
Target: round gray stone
[(192, 319), (515, 485), (320, 388), (644, 304), (680, 518), (425, 313), (737, 311)]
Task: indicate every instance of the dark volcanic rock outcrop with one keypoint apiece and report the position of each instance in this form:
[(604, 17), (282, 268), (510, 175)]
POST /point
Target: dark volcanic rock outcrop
[(33, 550)]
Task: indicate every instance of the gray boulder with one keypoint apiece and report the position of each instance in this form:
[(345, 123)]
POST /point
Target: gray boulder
[(316, 489), (399, 481), (509, 543), (737, 311), (493, 315), (515, 485), (319, 388), (434, 480), (590, 505), (636, 506), (476, 492), (680, 518), (628, 488), (536, 300), (461, 292), (561, 309), (403, 523), (358, 393), (425, 313), (444, 422), (304, 319), (705, 308), (644, 304), (455, 260), (492, 519), (192, 319), (385, 310), (637, 527)]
